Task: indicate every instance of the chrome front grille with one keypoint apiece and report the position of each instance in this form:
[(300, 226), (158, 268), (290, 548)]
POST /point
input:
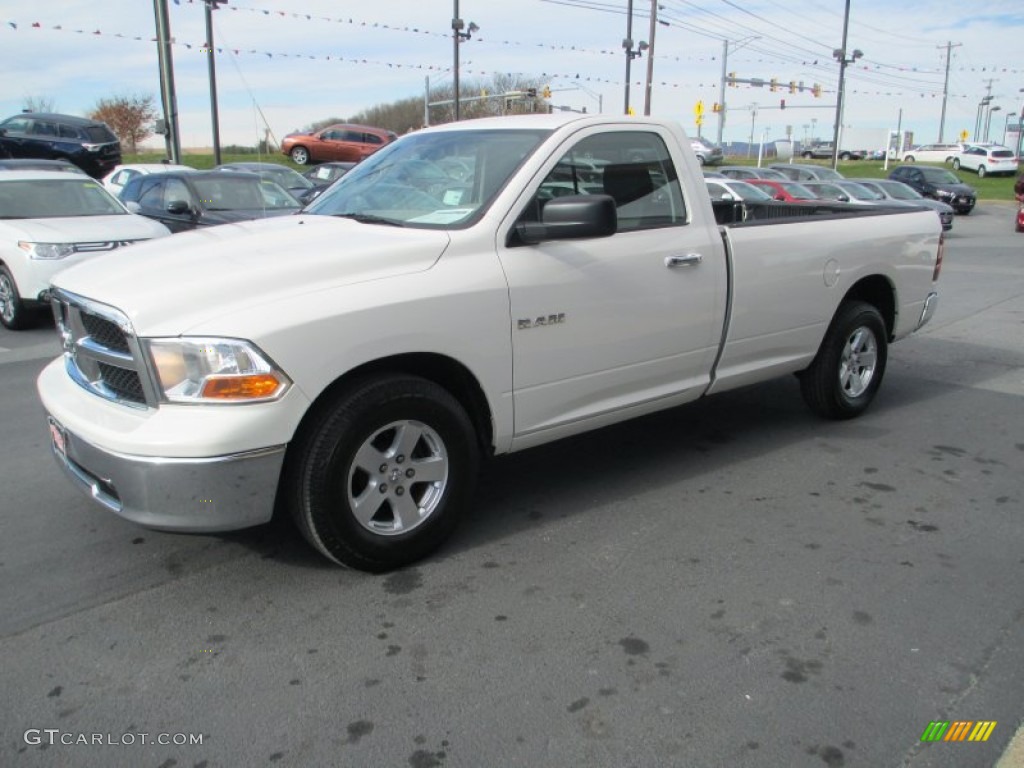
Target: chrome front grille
[(101, 352)]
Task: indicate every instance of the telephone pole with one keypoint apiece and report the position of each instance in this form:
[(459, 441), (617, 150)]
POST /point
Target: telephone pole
[(650, 58), (945, 86), (168, 100)]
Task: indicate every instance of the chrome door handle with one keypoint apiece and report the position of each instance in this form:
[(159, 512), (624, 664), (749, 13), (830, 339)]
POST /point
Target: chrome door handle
[(689, 260)]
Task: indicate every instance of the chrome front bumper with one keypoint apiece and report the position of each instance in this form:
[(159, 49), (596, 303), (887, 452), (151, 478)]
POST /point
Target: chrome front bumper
[(928, 309), (217, 493)]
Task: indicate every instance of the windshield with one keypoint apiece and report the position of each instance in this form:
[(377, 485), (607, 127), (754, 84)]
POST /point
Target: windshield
[(286, 177), (430, 180), (860, 192), (56, 198), (939, 176), (243, 194), (827, 174), (797, 190)]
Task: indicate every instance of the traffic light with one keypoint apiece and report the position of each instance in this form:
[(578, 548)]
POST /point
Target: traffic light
[(782, 103), (816, 90), (732, 80), (775, 84), (531, 92), (716, 107), (546, 93), (792, 86)]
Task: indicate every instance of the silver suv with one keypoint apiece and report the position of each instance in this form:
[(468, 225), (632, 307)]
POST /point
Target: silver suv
[(707, 154)]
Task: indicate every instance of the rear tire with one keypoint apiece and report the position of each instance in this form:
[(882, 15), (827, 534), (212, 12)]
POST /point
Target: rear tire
[(982, 173), (13, 314), (842, 380), (383, 472)]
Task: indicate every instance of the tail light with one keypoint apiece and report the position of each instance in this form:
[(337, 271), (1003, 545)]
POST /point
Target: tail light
[(938, 257)]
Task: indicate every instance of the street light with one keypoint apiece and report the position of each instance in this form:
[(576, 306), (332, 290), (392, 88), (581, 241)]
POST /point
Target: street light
[(840, 55), (627, 44), (212, 5), (988, 120), (459, 36), (977, 120)]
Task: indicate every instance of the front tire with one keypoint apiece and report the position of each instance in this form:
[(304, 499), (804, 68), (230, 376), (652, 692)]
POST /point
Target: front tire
[(383, 472), (13, 313), (300, 155), (842, 380)]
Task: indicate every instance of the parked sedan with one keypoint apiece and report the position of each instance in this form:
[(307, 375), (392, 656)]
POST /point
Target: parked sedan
[(846, 191), (938, 184), (116, 180), (986, 159), (897, 190), (301, 188), (747, 172), (735, 190), (326, 174), (50, 220), (184, 201), (806, 171), (788, 191), (25, 164)]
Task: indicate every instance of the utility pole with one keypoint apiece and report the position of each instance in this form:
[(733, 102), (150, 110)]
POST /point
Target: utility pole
[(840, 53), (168, 100), (650, 58), (721, 92), (945, 86), (210, 6), (628, 45)]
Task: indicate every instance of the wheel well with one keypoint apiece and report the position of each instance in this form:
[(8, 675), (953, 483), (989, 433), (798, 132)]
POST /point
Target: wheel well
[(440, 369), (879, 292)]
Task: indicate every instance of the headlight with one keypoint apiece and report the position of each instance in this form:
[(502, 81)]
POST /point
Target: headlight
[(210, 370), (945, 193), (47, 250)]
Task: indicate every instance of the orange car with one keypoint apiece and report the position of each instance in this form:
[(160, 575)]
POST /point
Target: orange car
[(350, 143)]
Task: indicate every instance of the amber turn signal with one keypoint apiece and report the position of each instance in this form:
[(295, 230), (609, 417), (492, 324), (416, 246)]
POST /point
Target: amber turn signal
[(248, 387)]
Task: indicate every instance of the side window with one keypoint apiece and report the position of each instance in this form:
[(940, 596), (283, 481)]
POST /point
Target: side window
[(633, 167), (331, 135), (43, 128), (17, 125), (370, 138), (175, 190), (151, 194), (68, 131)]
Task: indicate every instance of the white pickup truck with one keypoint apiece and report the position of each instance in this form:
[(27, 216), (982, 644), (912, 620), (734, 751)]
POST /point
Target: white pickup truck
[(468, 290)]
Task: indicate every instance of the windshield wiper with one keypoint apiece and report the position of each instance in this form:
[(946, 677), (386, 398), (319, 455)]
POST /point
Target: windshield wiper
[(369, 218)]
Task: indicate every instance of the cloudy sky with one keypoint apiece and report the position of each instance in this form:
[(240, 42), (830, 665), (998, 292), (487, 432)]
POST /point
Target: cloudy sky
[(285, 63)]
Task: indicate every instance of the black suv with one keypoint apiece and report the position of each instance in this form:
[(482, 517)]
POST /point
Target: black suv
[(938, 184), (89, 144)]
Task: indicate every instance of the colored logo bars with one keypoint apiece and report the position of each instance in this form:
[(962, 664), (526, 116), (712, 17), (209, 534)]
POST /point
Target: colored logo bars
[(958, 730)]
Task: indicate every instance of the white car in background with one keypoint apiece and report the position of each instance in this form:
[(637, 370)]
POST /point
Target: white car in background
[(50, 220), (931, 153), (986, 160), (122, 174)]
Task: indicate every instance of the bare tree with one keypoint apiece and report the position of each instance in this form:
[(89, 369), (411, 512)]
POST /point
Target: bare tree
[(39, 104), (130, 117)]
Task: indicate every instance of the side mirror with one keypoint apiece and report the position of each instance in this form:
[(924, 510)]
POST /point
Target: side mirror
[(179, 207), (133, 207), (571, 217), (843, 198)]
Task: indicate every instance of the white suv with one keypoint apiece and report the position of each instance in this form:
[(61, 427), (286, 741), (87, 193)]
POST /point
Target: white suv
[(986, 159), (931, 153)]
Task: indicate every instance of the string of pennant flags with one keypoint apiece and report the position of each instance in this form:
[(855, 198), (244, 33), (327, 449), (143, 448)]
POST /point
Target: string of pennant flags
[(467, 68)]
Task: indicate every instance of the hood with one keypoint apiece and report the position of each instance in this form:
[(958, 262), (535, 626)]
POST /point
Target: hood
[(957, 188), (169, 286), (87, 229)]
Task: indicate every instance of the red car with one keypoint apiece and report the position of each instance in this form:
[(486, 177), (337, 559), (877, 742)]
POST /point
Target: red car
[(346, 142), (790, 191)]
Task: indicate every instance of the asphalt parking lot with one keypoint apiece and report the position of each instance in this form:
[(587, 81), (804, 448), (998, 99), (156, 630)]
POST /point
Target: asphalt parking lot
[(731, 583)]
